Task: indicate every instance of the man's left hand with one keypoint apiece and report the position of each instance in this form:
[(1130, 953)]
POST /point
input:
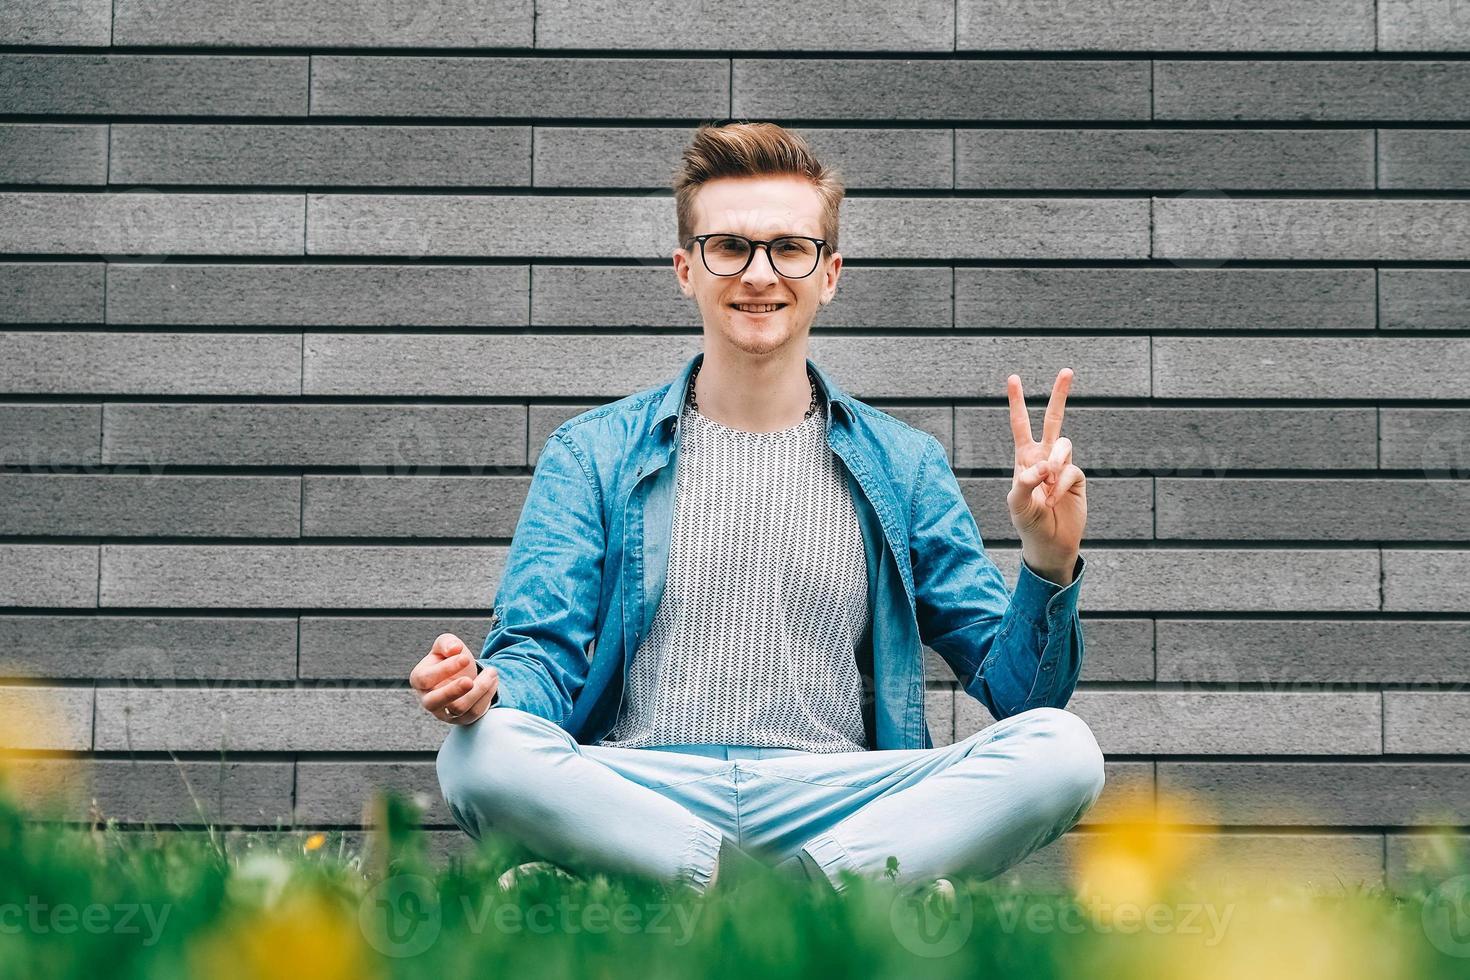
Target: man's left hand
[(1048, 498)]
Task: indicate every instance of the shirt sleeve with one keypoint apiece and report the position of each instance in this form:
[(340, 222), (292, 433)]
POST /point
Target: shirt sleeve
[(1011, 650), (546, 604)]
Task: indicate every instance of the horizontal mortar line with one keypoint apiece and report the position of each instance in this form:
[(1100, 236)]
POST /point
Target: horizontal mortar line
[(87, 399), (1199, 473), (690, 122), (416, 541), (411, 331), (492, 52), (939, 194), (665, 261)]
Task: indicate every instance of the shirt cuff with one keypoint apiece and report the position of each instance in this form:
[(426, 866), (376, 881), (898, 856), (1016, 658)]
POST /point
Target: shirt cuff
[(1042, 602)]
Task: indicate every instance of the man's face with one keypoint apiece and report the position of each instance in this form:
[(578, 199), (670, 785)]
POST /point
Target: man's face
[(760, 208)]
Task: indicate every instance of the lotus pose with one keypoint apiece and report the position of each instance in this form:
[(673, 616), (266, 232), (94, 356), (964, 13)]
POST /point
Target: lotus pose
[(706, 650)]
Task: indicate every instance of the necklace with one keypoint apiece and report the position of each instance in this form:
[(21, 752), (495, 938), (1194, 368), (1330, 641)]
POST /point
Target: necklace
[(808, 414)]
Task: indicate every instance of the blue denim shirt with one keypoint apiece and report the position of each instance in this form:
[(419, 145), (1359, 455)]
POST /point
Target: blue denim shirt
[(589, 558)]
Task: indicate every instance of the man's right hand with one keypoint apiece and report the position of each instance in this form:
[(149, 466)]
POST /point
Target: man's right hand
[(451, 685)]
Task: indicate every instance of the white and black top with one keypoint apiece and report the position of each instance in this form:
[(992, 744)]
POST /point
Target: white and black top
[(766, 599)]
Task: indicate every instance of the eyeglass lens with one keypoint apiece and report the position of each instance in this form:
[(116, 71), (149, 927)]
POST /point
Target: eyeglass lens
[(726, 255)]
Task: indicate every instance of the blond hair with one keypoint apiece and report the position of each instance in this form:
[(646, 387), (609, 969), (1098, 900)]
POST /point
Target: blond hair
[(752, 149)]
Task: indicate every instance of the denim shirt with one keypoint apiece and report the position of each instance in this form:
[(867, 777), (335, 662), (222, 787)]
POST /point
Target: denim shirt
[(589, 558)]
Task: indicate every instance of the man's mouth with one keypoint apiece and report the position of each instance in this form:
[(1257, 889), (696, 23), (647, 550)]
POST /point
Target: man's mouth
[(757, 309)]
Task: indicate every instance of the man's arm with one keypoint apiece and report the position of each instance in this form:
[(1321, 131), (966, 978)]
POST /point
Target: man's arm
[(1011, 652), (546, 604)]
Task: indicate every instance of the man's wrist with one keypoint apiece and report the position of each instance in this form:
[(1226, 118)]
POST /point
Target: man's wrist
[(1059, 573)]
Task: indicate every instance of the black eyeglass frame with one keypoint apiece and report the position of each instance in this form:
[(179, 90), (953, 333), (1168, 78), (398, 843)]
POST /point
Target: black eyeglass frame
[(755, 244)]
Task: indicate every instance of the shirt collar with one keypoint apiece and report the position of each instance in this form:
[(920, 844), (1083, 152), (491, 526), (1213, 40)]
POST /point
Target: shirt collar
[(673, 399)]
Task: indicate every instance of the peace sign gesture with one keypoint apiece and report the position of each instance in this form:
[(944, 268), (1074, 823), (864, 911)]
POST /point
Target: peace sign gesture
[(1048, 498)]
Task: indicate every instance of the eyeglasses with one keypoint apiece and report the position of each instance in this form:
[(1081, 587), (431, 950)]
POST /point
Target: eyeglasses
[(792, 256)]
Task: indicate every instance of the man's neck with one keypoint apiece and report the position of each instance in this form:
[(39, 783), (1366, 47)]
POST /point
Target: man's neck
[(753, 395)]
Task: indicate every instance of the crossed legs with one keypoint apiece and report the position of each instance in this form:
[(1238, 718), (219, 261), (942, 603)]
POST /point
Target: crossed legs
[(977, 806)]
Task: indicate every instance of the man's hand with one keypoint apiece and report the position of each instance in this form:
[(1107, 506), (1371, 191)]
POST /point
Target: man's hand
[(1048, 498), (452, 687)]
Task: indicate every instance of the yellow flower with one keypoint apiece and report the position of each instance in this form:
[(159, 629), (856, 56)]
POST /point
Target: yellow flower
[(305, 934), (1139, 857), (313, 843)]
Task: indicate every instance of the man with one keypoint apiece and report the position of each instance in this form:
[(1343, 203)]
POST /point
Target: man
[(711, 619)]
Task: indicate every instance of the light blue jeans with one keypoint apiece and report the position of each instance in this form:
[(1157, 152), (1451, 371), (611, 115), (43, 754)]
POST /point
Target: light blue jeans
[(977, 806)]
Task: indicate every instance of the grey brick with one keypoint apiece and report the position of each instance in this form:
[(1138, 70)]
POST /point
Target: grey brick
[(890, 159), (1315, 793), (1130, 25), (379, 439), (1170, 299), (1221, 228), (47, 153), (336, 793), (1219, 722), (150, 364), (1424, 159), (1180, 441), (996, 228), (864, 25), (51, 292), (46, 717), (41, 436), (311, 295), (84, 23), (135, 505), (1426, 721), (939, 713), (1322, 864), (325, 23), (1423, 861), (306, 576), (590, 88), (1128, 789), (1273, 651), (235, 720), (379, 647), (1159, 159), (159, 85), (1298, 508), (149, 647), (412, 506), (1223, 579), (446, 225), (48, 575), (1430, 440), (184, 793), (539, 366), (1426, 581), (1300, 89), (934, 90), (148, 223), (1432, 299), (1119, 509), (613, 296), (1115, 650), (1423, 25), (267, 155), (1273, 367)]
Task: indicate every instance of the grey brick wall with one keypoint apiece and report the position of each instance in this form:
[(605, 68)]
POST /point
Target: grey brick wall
[(288, 301)]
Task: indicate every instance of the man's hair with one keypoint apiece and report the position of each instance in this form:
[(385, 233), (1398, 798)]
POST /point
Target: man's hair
[(752, 149)]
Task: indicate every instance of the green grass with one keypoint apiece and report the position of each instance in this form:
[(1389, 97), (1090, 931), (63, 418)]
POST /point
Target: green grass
[(100, 901)]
